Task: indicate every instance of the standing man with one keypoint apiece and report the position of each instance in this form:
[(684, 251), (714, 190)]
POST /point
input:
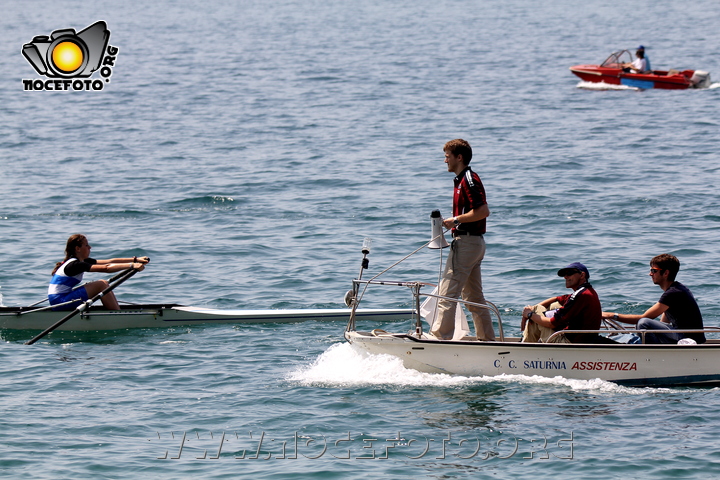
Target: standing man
[(676, 308), (462, 271)]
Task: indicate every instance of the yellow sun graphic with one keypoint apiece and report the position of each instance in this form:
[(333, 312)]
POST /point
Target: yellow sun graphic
[(67, 56)]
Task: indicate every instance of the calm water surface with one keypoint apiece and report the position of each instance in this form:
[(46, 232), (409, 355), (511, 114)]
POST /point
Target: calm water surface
[(248, 147)]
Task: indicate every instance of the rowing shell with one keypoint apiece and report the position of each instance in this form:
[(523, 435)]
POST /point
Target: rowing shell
[(170, 315)]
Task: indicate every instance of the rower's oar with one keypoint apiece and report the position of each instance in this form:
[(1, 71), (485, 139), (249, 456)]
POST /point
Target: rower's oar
[(117, 275), (85, 305)]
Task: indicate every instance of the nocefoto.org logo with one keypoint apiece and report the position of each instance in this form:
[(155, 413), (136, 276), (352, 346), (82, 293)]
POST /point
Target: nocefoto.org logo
[(68, 58)]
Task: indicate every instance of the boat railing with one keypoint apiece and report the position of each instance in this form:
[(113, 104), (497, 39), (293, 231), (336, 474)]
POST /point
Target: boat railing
[(353, 297), (636, 331), (415, 287), (489, 306), (21, 311)]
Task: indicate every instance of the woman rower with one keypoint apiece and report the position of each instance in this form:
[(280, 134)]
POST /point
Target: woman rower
[(69, 273)]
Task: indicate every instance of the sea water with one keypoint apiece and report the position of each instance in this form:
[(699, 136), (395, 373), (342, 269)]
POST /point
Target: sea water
[(249, 147)]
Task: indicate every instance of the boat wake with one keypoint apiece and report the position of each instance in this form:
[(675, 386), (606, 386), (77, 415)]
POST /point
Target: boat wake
[(603, 86), (343, 366)]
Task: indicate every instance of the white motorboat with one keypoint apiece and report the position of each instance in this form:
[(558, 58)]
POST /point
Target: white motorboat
[(626, 364)]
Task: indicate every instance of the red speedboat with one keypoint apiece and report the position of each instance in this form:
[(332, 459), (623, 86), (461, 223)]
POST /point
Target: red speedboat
[(611, 71)]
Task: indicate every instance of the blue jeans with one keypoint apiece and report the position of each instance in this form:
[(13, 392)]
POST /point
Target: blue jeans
[(650, 324)]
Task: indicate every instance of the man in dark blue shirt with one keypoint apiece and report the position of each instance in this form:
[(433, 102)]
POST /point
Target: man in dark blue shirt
[(677, 306)]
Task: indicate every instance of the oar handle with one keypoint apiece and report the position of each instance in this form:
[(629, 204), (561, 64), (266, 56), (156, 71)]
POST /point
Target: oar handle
[(117, 275), (85, 305), (120, 274)]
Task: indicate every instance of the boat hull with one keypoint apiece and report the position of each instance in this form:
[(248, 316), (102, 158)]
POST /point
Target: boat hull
[(632, 365), (170, 315), (615, 76)]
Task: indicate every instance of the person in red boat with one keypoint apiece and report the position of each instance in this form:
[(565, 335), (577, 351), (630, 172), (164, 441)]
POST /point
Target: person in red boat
[(641, 64)]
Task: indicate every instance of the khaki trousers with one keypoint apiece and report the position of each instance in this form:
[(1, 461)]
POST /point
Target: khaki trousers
[(537, 333), (463, 277)]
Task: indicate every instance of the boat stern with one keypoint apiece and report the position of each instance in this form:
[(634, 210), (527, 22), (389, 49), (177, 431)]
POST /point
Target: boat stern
[(700, 79)]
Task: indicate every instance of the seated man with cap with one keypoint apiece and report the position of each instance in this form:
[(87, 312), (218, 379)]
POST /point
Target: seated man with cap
[(579, 310)]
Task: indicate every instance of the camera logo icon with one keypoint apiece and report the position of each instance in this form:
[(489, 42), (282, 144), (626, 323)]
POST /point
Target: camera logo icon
[(67, 54)]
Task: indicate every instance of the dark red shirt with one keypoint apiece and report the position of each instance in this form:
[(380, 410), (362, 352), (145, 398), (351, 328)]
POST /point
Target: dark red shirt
[(469, 194), (581, 310)]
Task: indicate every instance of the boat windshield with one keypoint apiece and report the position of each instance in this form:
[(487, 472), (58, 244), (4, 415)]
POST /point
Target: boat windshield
[(616, 59)]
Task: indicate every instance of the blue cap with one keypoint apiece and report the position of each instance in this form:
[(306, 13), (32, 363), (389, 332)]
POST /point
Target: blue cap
[(641, 47), (572, 268)]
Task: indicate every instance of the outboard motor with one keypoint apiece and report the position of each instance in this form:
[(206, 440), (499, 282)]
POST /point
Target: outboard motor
[(700, 79)]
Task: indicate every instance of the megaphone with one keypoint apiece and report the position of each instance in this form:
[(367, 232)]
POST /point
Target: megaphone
[(438, 236)]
